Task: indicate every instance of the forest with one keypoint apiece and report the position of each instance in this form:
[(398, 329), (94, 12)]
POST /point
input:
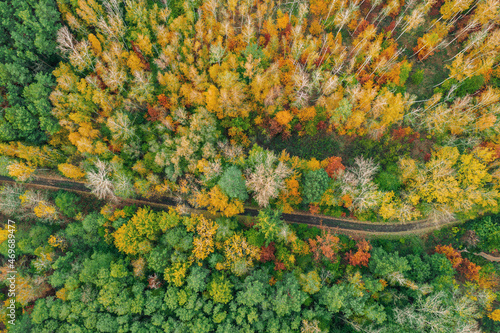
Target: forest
[(382, 112)]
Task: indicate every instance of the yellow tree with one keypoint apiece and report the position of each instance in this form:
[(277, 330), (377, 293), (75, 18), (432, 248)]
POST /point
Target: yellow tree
[(20, 171), (71, 171)]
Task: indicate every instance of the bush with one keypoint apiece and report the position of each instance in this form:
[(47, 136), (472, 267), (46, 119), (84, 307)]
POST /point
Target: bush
[(66, 202), (233, 184), (315, 184)]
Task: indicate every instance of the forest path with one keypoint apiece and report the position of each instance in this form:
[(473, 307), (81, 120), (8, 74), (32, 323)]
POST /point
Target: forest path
[(342, 225)]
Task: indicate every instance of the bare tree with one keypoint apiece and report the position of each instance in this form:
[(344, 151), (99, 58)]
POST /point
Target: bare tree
[(357, 183), (266, 178), (100, 182)]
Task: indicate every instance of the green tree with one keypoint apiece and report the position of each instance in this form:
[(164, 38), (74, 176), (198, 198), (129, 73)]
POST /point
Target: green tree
[(269, 224), (233, 184), (315, 184), (67, 203), (27, 57)]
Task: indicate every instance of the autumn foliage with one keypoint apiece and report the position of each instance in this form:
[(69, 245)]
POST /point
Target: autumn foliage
[(361, 256)]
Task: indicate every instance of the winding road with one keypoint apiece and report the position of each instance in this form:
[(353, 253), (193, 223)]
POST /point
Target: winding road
[(344, 225)]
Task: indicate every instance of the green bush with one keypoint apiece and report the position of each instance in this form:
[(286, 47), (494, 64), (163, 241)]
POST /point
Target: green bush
[(233, 184), (315, 184)]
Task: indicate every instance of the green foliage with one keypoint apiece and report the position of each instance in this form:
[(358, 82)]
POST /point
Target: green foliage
[(67, 203), (318, 146), (310, 282), (233, 184), (27, 56), (470, 85), (315, 184), (417, 77), (388, 180), (269, 224), (488, 230), (288, 297), (4, 163), (384, 265), (220, 289), (404, 73), (254, 289)]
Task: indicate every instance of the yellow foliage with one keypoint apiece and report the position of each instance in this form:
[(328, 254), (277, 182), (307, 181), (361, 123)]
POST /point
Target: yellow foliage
[(282, 22), (387, 209), (313, 164), (62, 294), (495, 315), (20, 171), (283, 117), (217, 201), (290, 196), (204, 245), (140, 168), (144, 44), (306, 114), (238, 251), (4, 235), (71, 171), (212, 98), (96, 45), (84, 145), (134, 236), (45, 210), (57, 241), (134, 62), (176, 273)]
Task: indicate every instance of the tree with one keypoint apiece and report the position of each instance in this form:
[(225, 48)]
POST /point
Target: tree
[(361, 257), (389, 266), (216, 201), (265, 176), (71, 171), (327, 245), (21, 171), (220, 289), (269, 224), (334, 167), (136, 235), (27, 58), (66, 202), (310, 282), (315, 184), (99, 181), (233, 184), (357, 182)]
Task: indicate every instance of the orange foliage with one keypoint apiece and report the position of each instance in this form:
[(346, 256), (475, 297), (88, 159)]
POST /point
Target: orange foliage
[(346, 200), (267, 253), (313, 209), (326, 245), (453, 255), (469, 270), (360, 258), (291, 195), (334, 166)]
